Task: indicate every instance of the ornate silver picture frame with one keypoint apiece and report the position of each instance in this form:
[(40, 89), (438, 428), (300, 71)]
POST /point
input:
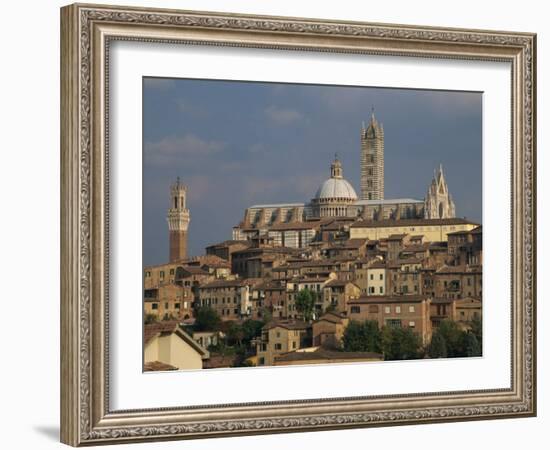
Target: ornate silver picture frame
[(87, 32)]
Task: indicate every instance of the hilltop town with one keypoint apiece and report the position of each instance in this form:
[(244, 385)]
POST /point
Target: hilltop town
[(337, 279)]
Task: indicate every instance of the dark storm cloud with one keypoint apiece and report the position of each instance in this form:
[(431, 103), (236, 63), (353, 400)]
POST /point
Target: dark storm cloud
[(238, 143)]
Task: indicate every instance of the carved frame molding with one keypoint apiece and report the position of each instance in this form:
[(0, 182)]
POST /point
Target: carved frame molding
[(86, 32)]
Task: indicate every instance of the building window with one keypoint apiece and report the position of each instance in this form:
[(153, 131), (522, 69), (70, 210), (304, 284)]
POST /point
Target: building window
[(411, 324), (171, 271), (387, 310), (398, 309), (147, 274), (381, 276), (166, 305), (411, 309), (372, 276), (293, 344), (261, 361), (355, 309), (177, 305), (278, 346), (381, 289), (155, 306), (162, 274), (393, 323)]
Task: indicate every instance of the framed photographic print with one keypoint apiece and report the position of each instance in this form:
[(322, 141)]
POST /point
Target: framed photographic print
[(277, 225)]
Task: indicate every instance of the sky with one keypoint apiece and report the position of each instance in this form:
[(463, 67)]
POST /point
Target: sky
[(235, 144)]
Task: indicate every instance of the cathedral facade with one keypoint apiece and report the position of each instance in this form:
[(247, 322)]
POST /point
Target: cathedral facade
[(439, 202), (336, 197)]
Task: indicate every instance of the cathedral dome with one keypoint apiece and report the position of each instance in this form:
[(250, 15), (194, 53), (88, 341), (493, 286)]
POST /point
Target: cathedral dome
[(336, 187)]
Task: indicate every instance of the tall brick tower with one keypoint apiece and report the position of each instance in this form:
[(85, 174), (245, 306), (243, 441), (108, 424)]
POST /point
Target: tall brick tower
[(372, 160), (178, 221)]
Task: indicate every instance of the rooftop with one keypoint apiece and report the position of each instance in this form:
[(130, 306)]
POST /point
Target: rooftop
[(388, 201), (410, 222), (369, 299), (328, 355), (287, 324)]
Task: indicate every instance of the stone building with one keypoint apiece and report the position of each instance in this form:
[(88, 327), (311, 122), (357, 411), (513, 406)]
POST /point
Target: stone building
[(298, 224), (433, 230), (166, 346), (337, 294), (231, 299), (372, 160), (168, 301), (178, 221), (407, 311), (439, 202), (370, 276), (328, 331), (280, 337)]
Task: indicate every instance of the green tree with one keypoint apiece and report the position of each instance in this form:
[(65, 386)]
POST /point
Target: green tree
[(362, 337), (305, 303), (400, 343), (235, 334), (251, 329), (453, 336), (150, 318), (438, 346), (266, 315), (207, 319), (476, 328), (471, 345)]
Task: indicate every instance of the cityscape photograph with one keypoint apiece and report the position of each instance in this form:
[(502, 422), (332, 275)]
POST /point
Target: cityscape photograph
[(295, 224)]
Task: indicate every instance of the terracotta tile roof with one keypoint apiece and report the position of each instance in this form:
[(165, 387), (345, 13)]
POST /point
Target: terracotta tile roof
[(219, 361), (194, 270), (352, 243), (228, 243), (157, 366), (370, 299), (396, 237), (270, 286), (332, 317), (154, 329), (458, 269), (416, 248), (324, 354), (222, 284), (377, 264), (337, 283), (287, 324)]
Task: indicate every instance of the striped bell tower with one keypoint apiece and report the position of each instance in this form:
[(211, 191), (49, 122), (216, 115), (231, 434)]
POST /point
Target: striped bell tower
[(372, 160), (178, 221)]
